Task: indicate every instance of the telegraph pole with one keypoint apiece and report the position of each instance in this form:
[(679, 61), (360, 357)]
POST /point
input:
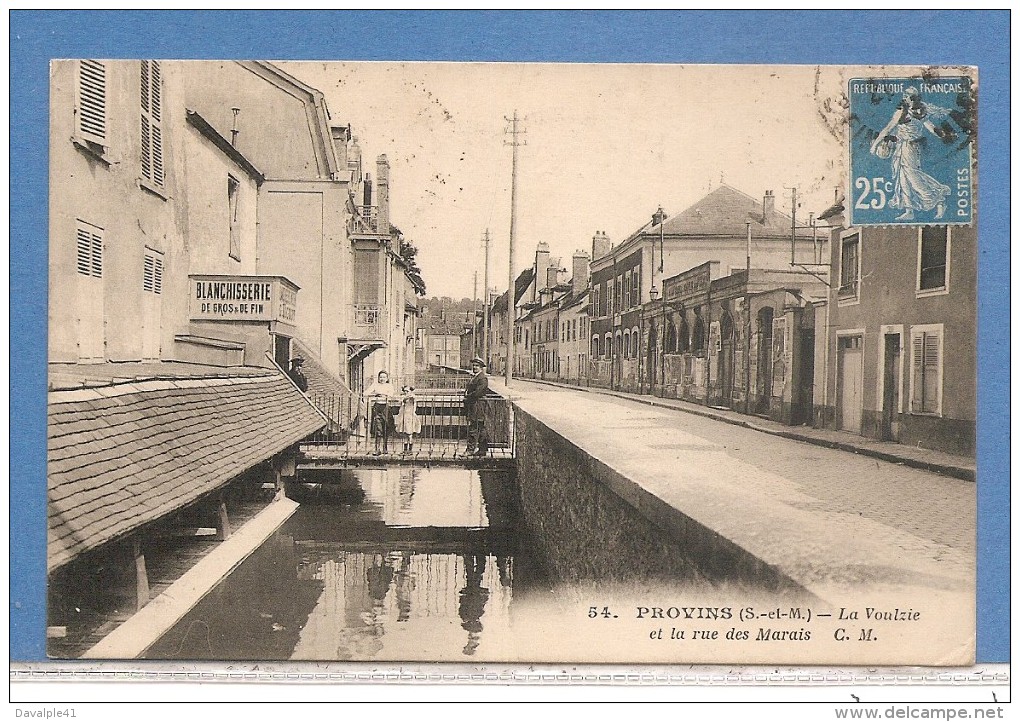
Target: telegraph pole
[(510, 300), (474, 317), (488, 297), (793, 230)]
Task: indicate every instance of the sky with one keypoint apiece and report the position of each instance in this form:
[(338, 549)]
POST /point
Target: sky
[(605, 146)]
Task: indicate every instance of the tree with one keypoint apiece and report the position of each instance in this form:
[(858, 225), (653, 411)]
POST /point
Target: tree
[(408, 252)]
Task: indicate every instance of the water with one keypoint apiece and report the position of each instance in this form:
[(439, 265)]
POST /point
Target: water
[(378, 564)]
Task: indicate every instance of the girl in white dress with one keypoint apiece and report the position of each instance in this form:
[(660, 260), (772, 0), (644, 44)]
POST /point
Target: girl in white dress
[(408, 421)]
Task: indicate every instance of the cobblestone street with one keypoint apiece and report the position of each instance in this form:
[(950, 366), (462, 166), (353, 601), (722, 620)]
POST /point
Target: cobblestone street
[(926, 504), (835, 522)]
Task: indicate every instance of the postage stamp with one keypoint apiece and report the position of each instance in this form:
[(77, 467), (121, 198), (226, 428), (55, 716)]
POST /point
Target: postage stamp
[(911, 150)]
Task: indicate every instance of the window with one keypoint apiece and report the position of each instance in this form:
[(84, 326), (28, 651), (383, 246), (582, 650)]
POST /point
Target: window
[(635, 292), (683, 336), (91, 106), (698, 337), (626, 289), (233, 186), (926, 369), (152, 125), (607, 346), (90, 292), (594, 346), (626, 344), (850, 266), (932, 259)]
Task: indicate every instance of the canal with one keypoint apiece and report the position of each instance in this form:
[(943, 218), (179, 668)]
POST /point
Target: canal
[(397, 563), (447, 564)]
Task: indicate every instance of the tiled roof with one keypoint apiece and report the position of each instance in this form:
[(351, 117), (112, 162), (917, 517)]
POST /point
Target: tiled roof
[(725, 211), (571, 300), (124, 455), (320, 381), (520, 286)]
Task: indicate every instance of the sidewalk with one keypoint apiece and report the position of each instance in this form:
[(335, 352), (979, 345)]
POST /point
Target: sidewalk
[(960, 467)]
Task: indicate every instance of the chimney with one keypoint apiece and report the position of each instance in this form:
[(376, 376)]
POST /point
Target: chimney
[(367, 199), (541, 268), (354, 160), (768, 207), (600, 245), (552, 277), (340, 135), (382, 180), (581, 269)]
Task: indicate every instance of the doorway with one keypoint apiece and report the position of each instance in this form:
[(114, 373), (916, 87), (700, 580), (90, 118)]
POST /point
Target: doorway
[(651, 371), (763, 383), (851, 383), (726, 358), (281, 351), (891, 381)]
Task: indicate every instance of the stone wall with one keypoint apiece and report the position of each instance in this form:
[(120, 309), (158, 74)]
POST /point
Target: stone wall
[(591, 523)]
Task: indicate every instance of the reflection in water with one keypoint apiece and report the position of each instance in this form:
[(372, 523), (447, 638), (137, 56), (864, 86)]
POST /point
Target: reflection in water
[(421, 568)]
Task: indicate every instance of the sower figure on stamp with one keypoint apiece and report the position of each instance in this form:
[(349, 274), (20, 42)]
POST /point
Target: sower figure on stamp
[(477, 387), (901, 141)]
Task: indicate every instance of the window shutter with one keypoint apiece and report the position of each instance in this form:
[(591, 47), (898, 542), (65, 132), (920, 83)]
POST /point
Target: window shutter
[(146, 148), (89, 244), (148, 273), (157, 279), (92, 99), (931, 373), (156, 79), (152, 272), (84, 252), (151, 120), (157, 155), (917, 370)]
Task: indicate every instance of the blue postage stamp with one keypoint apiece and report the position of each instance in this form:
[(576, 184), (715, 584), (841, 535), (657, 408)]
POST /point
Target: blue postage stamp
[(911, 142)]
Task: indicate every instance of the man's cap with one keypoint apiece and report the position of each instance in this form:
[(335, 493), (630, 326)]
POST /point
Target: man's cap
[(477, 361), (297, 360)]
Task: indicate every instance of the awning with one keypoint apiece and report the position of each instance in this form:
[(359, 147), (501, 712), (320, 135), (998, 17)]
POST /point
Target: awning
[(124, 455)]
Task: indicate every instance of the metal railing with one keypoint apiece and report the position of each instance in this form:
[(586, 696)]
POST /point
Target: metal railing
[(369, 217), (450, 380), (366, 315), (372, 427)]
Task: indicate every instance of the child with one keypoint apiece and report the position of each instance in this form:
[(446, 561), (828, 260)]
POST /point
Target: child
[(408, 421)]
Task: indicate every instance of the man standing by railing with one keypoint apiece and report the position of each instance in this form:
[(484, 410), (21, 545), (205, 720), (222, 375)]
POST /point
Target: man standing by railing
[(477, 387)]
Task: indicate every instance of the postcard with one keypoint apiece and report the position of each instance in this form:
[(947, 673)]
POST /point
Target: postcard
[(506, 362)]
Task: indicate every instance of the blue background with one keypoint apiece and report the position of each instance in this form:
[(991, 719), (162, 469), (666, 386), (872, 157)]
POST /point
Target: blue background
[(836, 37)]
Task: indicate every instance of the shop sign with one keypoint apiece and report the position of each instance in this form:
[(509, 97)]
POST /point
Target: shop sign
[(242, 299)]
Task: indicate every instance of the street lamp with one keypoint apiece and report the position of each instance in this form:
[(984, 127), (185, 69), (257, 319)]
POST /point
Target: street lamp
[(658, 219)]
